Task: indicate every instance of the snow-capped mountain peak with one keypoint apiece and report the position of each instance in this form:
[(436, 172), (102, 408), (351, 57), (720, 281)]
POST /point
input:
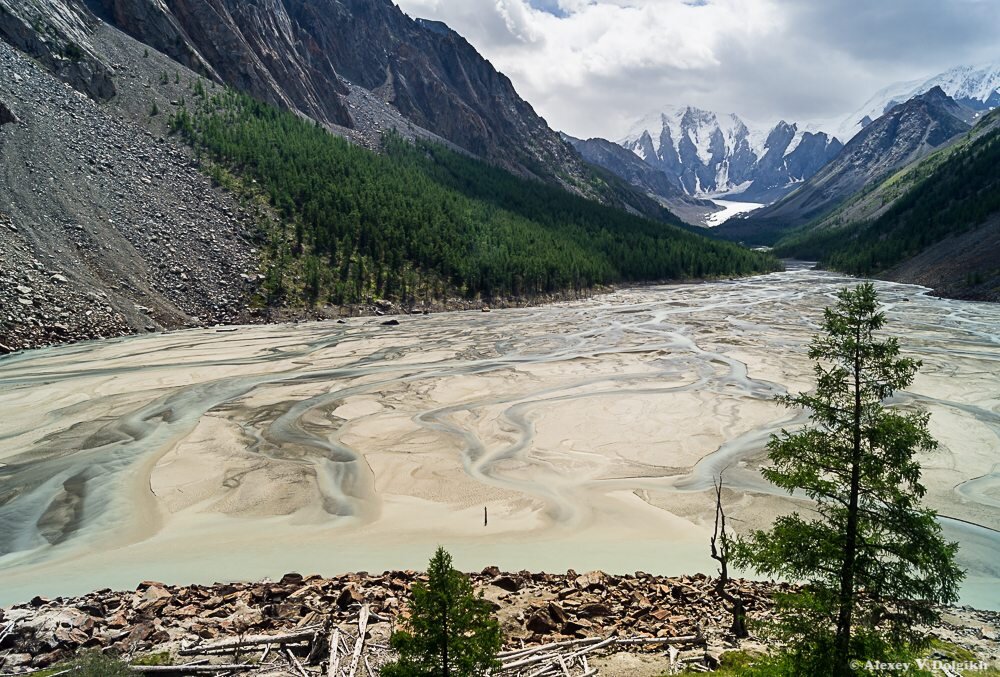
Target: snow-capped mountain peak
[(709, 153), (977, 87)]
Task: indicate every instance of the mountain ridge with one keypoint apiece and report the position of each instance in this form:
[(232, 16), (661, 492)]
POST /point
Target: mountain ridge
[(975, 86), (652, 181), (306, 56), (908, 132)]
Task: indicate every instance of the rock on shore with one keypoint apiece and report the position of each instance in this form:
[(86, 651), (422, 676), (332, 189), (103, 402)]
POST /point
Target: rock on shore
[(533, 608)]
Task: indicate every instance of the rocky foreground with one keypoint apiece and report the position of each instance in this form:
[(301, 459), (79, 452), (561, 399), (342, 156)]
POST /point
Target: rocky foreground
[(660, 621)]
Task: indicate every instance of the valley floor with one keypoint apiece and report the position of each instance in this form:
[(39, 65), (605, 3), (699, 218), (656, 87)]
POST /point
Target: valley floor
[(588, 432)]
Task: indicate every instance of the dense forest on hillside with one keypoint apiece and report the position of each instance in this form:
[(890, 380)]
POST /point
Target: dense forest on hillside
[(950, 197), (421, 222)]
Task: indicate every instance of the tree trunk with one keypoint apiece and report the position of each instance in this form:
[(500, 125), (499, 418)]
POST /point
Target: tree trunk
[(739, 627), (444, 648), (844, 618), (721, 555)]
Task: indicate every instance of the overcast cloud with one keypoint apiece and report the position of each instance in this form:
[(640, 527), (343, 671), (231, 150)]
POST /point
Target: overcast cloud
[(592, 67)]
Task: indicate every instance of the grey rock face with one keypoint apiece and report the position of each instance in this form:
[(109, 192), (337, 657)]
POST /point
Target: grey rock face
[(255, 47), (58, 34), (305, 54), (652, 181), (628, 166)]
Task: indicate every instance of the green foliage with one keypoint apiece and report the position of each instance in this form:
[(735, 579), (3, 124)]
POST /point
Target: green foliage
[(73, 51), (420, 221), (449, 632), (872, 558), (159, 658), (948, 194), (749, 664), (782, 663), (154, 110), (95, 664)]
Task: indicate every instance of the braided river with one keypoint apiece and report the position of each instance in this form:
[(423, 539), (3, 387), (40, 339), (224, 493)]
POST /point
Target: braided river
[(581, 435)]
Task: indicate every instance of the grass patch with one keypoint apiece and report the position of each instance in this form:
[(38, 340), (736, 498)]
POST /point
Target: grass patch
[(161, 658), (752, 664), (91, 664)]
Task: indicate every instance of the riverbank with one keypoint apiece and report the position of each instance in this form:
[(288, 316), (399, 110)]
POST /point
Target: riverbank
[(533, 609)]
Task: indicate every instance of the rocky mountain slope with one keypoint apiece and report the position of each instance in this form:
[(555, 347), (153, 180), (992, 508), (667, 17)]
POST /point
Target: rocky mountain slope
[(704, 153), (106, 228), (906, 133), (306, 55), (878, 197), (975, 87), (651, 181), (361, 67)]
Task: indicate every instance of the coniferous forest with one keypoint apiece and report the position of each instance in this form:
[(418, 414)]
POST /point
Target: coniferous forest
[(421, 222)]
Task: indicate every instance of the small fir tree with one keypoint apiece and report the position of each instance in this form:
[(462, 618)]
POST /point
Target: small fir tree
[(450, 631), (872, 559)]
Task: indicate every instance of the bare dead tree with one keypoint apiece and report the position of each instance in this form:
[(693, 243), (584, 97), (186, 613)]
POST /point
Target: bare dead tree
[(720, 553)]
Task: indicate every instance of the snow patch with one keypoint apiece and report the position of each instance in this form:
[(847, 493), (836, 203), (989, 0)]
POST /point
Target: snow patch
[(794, 143), (729, 210), (722, 176)]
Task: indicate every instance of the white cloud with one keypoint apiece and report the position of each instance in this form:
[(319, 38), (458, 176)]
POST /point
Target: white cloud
[(594, 66)]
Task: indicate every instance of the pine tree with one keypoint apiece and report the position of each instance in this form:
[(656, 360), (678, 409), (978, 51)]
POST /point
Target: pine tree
[(450, 632), (873, 561)]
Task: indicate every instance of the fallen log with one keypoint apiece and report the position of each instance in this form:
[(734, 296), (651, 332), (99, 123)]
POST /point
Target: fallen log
[(334, 653), (684, 639), (6, 631), (553, 658), (546, 647), (594, 647), (294, 662), (359, 645), (252, 640), (199, 668)]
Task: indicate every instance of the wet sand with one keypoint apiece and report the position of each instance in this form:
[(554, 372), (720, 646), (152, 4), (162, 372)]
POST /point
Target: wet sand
[(589, 431)]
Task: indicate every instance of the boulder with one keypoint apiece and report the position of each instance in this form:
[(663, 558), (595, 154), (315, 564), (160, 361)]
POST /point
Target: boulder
[(508, 583), (541, 623), (6, 116)]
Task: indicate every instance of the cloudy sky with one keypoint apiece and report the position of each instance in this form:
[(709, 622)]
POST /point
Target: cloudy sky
[(592, 67)]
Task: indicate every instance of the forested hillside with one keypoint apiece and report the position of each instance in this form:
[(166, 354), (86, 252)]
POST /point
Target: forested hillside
[(421, 222), (947, 195), (905, 134)]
